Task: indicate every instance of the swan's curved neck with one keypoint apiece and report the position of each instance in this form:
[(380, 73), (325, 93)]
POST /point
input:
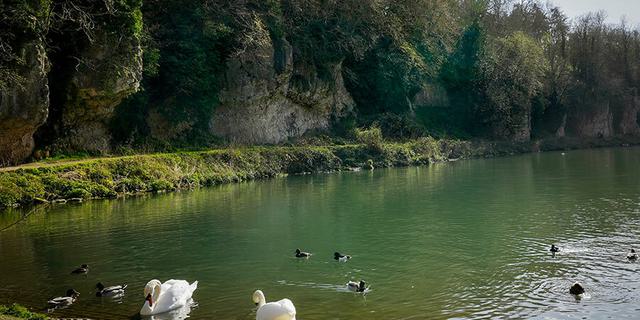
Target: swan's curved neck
[(261, 300)]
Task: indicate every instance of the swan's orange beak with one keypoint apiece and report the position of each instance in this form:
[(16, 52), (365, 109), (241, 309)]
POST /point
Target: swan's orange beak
[(148, 298)]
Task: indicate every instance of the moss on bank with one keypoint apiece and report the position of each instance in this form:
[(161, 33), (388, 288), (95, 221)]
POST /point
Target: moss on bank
[(113, 177), (17, 311)]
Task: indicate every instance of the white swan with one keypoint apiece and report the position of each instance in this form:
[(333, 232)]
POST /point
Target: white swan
[(171, 295), (280, 310)]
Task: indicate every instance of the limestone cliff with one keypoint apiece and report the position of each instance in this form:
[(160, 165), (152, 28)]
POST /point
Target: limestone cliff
[(107, 71), (271, 94), (24, 105)]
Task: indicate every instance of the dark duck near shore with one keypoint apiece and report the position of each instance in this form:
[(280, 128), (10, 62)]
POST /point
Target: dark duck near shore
[(67, 300), (84, 269)]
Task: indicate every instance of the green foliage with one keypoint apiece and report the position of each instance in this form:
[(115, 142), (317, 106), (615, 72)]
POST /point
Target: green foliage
[(18, 311), (371, 137), (512, 71)]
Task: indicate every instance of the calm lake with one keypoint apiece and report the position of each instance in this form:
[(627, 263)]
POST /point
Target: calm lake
[(467, 239)]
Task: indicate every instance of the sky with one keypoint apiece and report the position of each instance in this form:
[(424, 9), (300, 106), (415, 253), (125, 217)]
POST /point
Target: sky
[(614, 8)]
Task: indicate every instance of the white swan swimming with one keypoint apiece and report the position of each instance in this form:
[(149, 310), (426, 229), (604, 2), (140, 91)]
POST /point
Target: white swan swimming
[(279, 310), (171, 295)]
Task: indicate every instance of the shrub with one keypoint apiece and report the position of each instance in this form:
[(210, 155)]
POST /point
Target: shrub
[(371, 137)]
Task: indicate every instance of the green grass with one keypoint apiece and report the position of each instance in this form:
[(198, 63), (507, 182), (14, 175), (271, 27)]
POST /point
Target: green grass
[(113, 177), (16, 311)]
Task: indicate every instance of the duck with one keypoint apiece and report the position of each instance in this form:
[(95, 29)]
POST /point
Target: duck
[(279, 310), (554, 249), (302, 254), (67, 300), (356, 286), (576, 289), (341, 257), (164, 297), (112, 291), (632, 256), (84, 269)]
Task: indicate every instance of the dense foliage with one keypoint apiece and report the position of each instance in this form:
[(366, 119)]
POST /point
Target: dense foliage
[(491, 68)]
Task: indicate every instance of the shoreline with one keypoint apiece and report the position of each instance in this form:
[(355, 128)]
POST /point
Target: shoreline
[(113, 177)]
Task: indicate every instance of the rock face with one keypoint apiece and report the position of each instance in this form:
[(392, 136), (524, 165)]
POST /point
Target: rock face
[(628, 120), (596, 122), (270, 95), (24, 107), (108, 70)]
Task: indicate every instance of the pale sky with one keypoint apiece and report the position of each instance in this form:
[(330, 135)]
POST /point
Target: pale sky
[(615, 9)]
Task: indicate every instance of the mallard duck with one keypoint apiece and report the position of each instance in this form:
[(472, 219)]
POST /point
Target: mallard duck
[(112, 291), (632, 256), (279, 310), (356, 286), (576, 289), (554, 249), (67, 300), (341, 257), (84, 269), (302, 254)]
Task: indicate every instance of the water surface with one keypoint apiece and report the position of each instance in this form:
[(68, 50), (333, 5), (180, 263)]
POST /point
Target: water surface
[(467, 239)]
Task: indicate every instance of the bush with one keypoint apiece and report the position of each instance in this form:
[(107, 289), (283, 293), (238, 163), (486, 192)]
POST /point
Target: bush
[(371, 137)]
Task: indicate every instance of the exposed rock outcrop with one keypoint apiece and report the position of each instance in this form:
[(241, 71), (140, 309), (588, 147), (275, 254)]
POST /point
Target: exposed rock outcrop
[(24, 105), (591, 122), (271, 95), (107, 71)]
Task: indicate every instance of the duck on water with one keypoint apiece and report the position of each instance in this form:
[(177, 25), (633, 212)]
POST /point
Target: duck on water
[(341, 257), (357, 286), (302, 254), (65, 301), (112, 291), (84, 269)]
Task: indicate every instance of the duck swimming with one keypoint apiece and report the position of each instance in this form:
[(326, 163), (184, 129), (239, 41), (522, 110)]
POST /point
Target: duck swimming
[(67, 300), (302, 254), (356, 286), (554, 249), (576, 289), (112, 291), (279, 310), (632, 256), (84, 269), (341, 257)]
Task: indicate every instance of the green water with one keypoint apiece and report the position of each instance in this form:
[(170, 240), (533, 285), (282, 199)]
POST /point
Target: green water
[(467, 239)]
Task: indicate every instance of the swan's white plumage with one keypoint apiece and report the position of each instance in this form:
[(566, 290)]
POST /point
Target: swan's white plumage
[(279, 310), (173, 294)]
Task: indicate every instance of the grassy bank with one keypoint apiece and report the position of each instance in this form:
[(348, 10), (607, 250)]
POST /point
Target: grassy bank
[(113, 177), (16, 311)]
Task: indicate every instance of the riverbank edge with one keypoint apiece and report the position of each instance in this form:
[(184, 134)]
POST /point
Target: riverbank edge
[(17, 311), (103, 178)]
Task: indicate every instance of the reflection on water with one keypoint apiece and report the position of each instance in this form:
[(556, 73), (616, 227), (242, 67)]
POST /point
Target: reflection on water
[(468, 239)]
